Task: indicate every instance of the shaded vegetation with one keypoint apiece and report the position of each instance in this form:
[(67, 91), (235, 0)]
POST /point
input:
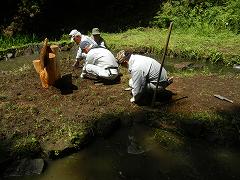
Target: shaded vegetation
[(30, 16), (56, 17)]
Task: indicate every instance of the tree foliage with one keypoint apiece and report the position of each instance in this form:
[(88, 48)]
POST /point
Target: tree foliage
[(57, 17), (223, 14), (54, 17)]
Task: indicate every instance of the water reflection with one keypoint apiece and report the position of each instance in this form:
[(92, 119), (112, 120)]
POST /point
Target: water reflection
[(109, 159)]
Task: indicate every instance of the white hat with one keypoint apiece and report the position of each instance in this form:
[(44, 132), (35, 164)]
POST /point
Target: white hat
[(74, 33)]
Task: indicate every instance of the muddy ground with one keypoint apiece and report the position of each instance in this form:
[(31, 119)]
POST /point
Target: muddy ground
[(57, 118)]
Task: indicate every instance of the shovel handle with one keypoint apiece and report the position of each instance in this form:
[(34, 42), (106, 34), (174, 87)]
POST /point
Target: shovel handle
[(161, 67)]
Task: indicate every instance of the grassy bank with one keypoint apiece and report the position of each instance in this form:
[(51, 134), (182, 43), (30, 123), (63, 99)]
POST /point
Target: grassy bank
[(192, 43), (215, 46)]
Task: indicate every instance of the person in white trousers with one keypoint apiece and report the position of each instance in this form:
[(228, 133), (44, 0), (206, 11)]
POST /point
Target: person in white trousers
[(144, 73), (100, 62)]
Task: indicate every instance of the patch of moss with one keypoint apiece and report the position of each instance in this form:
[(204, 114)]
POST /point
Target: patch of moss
[(81, 138), (25, 147), (169, 140)]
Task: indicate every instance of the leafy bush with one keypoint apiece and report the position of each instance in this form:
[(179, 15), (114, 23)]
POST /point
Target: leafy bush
[(205, 15)]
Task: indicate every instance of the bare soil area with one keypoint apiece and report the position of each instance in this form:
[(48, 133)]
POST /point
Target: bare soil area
[(56, 116)]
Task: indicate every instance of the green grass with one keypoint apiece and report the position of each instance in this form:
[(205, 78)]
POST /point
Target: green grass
[(193, 43), (16, 41), (216, 46)]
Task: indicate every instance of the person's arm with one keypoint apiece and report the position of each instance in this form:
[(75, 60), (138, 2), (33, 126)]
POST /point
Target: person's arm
[(139, 82), (102, 44), (79, 57)]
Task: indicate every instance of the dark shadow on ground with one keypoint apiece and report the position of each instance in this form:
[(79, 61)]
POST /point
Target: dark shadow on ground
[(64, 84), (162, 97), (108, 82)]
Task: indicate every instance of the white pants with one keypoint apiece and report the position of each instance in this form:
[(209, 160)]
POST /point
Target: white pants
[(150, 86), (97, 71)]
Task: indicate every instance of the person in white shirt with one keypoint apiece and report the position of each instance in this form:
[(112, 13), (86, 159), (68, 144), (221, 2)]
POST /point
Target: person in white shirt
[(100, 62), (144, 73), (77, 37), (96, 36)]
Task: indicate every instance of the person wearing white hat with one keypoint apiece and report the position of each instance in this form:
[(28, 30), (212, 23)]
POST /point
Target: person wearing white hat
[(100, 63), (96, 36), (77, 37), (144, 73)]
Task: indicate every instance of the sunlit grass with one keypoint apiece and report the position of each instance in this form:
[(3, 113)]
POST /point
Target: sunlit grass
[(15, 41), (190, 43)]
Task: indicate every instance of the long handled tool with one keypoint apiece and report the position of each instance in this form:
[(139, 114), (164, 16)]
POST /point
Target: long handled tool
[(222, 98), (163, 58)]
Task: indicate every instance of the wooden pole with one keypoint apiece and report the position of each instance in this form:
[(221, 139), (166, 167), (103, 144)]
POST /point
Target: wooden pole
[(37, 65), (43, 54), (51, 69), (163, 58), (55, 50)]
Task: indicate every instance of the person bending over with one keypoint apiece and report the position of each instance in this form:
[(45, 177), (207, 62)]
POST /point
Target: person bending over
[(144, 73), (77, 37), (100, 63)]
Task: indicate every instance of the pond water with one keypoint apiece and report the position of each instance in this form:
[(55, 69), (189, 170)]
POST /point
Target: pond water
[(117, 157)]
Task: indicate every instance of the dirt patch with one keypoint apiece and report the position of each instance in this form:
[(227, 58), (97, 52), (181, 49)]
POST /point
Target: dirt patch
[(200, 92), (55, 116)]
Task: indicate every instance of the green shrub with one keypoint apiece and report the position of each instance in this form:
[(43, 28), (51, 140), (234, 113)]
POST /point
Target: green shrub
[(221, 15)]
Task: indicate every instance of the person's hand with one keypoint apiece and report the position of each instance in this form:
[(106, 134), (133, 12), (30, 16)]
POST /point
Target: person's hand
[(132, 100), (76, 64)]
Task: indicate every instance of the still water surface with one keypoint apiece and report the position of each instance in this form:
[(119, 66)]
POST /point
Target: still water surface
[(111, 158)]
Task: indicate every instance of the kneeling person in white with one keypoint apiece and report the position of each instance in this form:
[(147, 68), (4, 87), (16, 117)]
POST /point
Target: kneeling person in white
[(100, 62), (144, 72)]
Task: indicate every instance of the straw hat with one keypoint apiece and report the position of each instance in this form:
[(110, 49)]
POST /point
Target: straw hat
[(95, 31)]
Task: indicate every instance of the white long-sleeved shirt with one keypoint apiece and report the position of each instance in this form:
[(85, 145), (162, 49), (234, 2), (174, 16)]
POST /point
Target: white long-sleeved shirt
[(144, 70), (101, 57), (80, 54)]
